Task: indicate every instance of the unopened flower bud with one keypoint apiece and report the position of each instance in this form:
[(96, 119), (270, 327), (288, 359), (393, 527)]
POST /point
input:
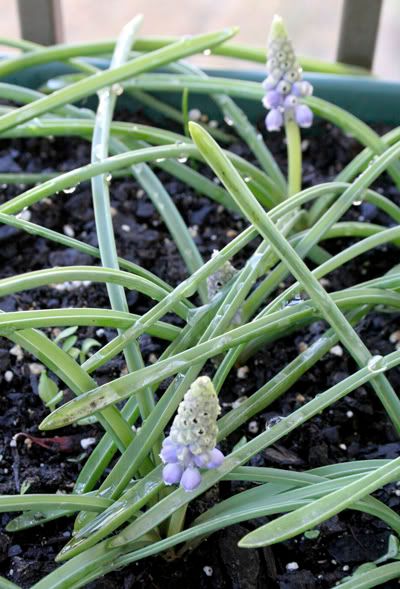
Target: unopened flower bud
[(274, 120), (284, 84), (304, 116), (192, 441)]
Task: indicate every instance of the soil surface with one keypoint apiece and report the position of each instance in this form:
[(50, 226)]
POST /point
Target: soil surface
[(355, 428)]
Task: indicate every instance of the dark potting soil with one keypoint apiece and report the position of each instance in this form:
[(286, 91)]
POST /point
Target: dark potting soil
[(355, 428)]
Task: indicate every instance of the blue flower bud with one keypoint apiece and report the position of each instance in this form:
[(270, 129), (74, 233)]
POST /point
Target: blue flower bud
[(172, 474), (303, 115), (216, 458), (272, 99), (274, 120), (191, 479)]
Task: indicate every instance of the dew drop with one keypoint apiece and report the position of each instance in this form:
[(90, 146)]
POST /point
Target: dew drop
[(207, 52), (182, 159), (273, 421), (108, 178), (228, 121), (357, 203), (376, 364), (160, 159), (69, 190)]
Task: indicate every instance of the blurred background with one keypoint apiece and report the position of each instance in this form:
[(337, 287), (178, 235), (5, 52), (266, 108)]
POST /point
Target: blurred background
[(313, 24)]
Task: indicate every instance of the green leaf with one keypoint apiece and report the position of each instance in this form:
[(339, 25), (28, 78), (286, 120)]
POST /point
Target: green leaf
[(309, 516), (65, 333)]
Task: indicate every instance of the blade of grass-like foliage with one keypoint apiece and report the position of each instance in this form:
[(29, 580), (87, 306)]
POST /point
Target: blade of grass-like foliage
[(254, 91), (46, 501), (372, 577), (179, 497), (125, 386), (63, 365), (235, 117), (36, 54), (310, 516), (116, 345), (17, 320), (101, 202), (182, 48), (263, 500), (81, 273), (97, 560), (374, 240), (351, 170), (253, 211), (266, 189), (74, 243)]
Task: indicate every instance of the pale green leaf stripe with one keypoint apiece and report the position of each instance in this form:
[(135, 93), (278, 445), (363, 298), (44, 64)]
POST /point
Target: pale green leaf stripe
[(322, 509)]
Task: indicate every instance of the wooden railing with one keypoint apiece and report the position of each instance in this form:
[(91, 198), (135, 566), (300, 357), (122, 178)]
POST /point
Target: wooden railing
[(41, 22)]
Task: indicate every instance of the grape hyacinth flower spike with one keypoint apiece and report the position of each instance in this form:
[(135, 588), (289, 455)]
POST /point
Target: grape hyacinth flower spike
[(191, 445), (284, 85)]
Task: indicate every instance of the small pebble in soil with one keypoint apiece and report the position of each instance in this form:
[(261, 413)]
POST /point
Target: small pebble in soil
[(242, 372), (292, 566), (253, 427), (87, 442), (302, 346), (394, 337), (69, 231), (208, 571), (8, 375), (125, 228), (36, 368), (17, 352), (337, 351)]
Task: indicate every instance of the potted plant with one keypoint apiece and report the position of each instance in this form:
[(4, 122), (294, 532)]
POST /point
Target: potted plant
[(234, 381)]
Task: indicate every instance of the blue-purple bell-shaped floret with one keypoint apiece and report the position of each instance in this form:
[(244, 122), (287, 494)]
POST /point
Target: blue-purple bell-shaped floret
[(191, 445), (284, 86)]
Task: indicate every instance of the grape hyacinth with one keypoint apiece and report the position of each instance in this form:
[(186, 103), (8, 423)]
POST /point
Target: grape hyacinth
[(284, 84), (191, 444)]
